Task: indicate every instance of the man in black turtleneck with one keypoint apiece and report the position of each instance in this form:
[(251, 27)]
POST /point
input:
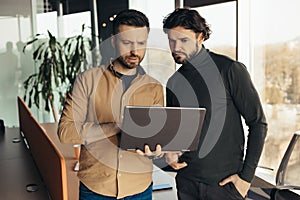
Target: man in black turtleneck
[(219, 169)]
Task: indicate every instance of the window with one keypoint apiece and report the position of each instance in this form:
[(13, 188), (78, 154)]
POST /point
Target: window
[(275, 63), (222, 21)]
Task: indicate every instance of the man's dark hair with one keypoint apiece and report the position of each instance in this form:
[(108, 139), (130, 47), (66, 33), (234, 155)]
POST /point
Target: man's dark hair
[(189, 19), (130, 17)]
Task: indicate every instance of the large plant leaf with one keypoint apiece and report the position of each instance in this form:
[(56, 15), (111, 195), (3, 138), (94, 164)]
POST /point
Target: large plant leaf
[(28, 43), (36, 97), (38, 52), (52, 42)]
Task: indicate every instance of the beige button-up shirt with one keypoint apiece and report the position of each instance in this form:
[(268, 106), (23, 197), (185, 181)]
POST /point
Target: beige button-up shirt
[(91, 117)]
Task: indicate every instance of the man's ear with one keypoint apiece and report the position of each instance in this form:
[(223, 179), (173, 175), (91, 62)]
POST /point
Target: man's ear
[(201, 38), (113, 40)]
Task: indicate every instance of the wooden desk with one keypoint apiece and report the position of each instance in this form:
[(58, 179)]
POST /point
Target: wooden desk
[(17, 169), (68, 153), (48, 158)]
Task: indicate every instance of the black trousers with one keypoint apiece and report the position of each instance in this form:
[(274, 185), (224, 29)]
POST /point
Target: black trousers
[(193, 190)]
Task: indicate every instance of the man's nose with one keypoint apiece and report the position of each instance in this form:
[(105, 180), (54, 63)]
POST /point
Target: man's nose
[(133, 48), (177, 46)]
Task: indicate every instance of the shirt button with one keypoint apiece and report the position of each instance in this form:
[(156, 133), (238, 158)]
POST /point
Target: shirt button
[(119, 174), (121, 156)]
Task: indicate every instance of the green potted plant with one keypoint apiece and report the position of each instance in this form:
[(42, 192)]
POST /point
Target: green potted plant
[(58, 66)]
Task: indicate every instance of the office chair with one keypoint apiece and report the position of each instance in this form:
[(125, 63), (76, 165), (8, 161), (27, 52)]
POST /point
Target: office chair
[(287, 176), (283, 194)]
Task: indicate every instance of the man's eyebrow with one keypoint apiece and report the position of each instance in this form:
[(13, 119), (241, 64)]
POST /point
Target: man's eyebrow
[(179, 38), (183, 38), (125, 40), (128, 40)]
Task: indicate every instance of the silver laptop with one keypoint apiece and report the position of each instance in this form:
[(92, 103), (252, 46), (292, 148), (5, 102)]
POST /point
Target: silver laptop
[(174, 128)]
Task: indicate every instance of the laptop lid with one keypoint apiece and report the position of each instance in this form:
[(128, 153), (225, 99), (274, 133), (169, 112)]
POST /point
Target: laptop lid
[(174, 128)]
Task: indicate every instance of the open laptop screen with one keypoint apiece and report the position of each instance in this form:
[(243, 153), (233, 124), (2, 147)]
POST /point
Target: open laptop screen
[(174, 128)]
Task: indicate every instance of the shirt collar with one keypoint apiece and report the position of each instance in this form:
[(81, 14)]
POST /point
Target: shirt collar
[(139, 70)]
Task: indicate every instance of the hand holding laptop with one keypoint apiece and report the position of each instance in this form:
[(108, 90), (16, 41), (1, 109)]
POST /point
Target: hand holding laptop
[(151, 154), (172, 159), (170, 156)]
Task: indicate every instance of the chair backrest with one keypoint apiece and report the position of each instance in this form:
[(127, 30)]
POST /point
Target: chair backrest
[(46, 155), (284, 194), (288, 174)]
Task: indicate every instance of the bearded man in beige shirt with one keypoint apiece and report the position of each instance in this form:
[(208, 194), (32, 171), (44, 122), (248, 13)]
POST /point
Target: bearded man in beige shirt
[(93, 112)]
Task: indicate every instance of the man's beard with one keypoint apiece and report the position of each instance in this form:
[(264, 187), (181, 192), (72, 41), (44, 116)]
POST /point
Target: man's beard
[(178, 59), (128, 65), (187, 58)]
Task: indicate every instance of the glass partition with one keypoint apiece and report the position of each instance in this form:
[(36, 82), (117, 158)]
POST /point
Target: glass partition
[(14, 64)]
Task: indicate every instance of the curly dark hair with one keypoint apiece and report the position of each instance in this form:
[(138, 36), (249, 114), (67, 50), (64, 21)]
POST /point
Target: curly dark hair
[(130, 17), (189, 19)]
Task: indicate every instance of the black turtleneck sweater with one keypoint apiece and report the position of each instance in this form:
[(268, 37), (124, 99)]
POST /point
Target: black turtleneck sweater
[(224, 87)]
